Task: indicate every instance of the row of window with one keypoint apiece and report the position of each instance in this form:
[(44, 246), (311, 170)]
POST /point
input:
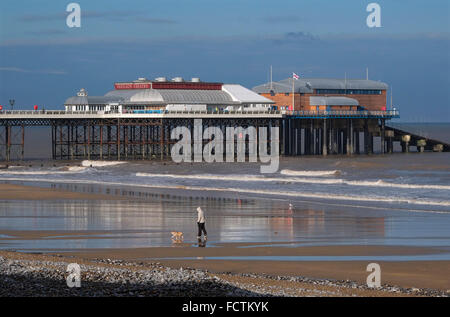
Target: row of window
[(341, 92), (349, 91), (272, 93), (90, 107)]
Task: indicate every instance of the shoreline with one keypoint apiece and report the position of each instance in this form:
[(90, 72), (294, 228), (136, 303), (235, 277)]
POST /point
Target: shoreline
[(127, 192), (10, 191)]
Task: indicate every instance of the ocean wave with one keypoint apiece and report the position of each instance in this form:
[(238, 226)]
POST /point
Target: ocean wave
[(88, 163), (244, 178), (288, 172), (64, 170), (337, 181), (310, 195), (382, 183), (241, 178)]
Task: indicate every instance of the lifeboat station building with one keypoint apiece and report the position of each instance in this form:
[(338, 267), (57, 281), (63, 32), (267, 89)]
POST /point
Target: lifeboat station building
[(317, 94), (161, 95)]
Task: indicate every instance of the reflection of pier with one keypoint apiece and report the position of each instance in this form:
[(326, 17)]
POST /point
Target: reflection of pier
[(147, 217), (319, 223)]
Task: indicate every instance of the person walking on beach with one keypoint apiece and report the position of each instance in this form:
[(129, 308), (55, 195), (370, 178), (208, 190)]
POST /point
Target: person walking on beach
[(201, 224)]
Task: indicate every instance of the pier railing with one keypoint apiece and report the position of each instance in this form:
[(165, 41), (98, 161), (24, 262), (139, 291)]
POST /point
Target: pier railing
[(288, 113), (343, 114)]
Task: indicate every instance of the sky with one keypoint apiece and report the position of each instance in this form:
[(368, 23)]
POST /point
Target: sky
[(43, 61)]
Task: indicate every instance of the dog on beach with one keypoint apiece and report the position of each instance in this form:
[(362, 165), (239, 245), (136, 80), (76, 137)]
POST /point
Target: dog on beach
[(177, 237)]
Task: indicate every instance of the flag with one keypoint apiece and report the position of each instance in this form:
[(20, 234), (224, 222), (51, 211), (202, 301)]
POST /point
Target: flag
[(295, 76)]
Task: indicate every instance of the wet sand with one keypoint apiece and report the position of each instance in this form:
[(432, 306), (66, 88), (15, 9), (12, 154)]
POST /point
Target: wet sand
[(106, 277), (420, 274), (417, 274), (20, 192)]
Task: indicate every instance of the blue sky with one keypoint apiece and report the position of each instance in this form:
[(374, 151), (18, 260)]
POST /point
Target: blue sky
[(42, 61)]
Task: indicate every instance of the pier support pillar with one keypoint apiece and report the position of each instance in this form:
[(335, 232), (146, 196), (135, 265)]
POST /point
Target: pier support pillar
[(349, 137), (382, 135), (405, 143), (421, 145), (307, 140), (389, 135), (118, 139), (8, 142), (101, 142), (334, 144), (356, 142), (22, 145), (324, 138), (299, 138), (339, 141), (317, 141), (367, 138), (161, 139)]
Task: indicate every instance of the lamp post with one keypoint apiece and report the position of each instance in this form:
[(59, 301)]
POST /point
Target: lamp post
[(12, 102)]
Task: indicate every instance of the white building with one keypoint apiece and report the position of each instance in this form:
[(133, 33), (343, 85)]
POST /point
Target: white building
[(143, 95)]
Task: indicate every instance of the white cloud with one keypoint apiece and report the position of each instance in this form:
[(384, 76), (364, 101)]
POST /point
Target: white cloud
[(22, 70)]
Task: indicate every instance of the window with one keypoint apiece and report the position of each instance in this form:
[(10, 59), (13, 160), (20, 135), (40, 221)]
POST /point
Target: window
[(348, 91)]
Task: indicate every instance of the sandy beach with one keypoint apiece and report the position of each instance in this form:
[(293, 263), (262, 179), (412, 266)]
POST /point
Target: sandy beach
[(240, 263), (44, 275)]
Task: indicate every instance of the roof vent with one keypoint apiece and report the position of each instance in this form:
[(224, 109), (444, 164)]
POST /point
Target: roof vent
[(177, 79), (195, 80), (160, 79), (82, 93), (140, 79)]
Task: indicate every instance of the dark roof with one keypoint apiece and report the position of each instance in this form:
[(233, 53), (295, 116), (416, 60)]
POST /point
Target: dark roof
[(307, 85)]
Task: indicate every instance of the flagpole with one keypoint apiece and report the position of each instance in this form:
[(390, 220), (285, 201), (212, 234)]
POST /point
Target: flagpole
[(293, 96), (271, 82)]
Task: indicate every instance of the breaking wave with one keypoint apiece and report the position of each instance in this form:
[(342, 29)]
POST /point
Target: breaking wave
[(310, 173), (64, 170), (320, 196), (338, 181), (88, 163)]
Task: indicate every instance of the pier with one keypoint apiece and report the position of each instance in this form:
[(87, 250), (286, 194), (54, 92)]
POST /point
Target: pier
[(131, 136)]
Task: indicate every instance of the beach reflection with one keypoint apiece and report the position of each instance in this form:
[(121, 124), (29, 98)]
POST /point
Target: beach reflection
[(149, 219)]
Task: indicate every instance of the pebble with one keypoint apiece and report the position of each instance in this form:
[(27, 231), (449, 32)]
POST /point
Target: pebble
[(122, 278)]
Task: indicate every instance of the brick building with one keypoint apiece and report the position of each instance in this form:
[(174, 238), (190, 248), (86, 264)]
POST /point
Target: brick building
[(325, 94)]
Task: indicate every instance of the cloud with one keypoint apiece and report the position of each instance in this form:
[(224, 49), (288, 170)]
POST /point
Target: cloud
[(42, 17), (155, 20), (391, 36), (294, 38), (109, 15), (22, 70), (47, 32), (278, 19), (300, 36)]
